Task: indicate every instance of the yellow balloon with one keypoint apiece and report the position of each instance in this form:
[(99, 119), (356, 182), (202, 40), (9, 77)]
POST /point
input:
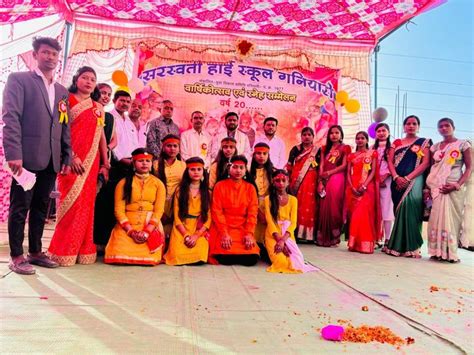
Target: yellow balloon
[(342, 96), (124, 88), (119, 78), (352, 106)]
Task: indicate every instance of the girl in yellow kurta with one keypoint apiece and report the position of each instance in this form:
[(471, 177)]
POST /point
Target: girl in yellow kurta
[(138, 237), (189, 236), (261, 170), (219, 168), (169, 169), (281, 214)]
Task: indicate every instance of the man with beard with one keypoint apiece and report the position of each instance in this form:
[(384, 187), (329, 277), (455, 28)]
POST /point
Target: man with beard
[(161, 127), (231, 123), (276, 144), (195, 141)]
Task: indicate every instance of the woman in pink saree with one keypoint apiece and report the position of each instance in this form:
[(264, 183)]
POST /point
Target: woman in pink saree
[(331, 185), (73, 237)]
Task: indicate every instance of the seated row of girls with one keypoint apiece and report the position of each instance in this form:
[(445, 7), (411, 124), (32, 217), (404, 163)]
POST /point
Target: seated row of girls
[(138, 236)]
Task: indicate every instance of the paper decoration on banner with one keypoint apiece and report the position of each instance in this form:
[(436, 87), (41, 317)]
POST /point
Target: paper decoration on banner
[(136, 85), (371, 130), (351, 105), (244, 48), (380, 114)]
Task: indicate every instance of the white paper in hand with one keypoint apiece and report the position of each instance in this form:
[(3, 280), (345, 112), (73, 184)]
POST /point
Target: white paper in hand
[(26, 180)]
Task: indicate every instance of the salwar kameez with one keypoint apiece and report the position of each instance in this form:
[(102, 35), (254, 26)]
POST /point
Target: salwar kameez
[(178, 253), (146, 206)]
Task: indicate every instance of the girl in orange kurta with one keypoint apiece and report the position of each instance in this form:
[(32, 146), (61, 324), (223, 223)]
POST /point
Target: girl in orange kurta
[(234, 217)]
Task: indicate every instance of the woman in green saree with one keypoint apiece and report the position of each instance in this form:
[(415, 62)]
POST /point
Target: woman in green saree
[(409, 158)]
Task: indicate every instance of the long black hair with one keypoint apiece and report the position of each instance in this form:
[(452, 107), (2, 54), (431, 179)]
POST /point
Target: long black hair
[(328, 140), (366, 135), (273, 195), (161, 160), (183, 192), (247, 176), (417, 119), (222, 168), (127, 187), (388, 144), (268, 166), (95, 95)]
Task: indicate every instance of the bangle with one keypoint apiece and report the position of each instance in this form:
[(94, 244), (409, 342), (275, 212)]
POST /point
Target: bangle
[(407, 178), (396, 177)]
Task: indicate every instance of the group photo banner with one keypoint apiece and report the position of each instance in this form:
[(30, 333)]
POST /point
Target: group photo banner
[(297, 98)]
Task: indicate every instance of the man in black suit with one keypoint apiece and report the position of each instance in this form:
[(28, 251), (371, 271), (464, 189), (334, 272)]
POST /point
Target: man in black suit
[(34, 139)]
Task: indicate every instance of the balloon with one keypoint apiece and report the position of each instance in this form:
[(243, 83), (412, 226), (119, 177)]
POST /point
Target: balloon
[(352, 106), (342, 96), (332, 332), (371, 130), (136, 85), (123, 88), (119, 78), (380, 114)]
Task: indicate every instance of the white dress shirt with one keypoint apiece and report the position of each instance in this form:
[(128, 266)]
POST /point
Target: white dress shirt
[(49, 89), (128, 138), (277, 150), (196, 144), (243, 145)]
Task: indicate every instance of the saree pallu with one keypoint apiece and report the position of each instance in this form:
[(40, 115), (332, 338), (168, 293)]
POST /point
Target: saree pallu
[(331, 207), (406, 238), (363, 212), (73, 237), (444, 226), (303, 180)]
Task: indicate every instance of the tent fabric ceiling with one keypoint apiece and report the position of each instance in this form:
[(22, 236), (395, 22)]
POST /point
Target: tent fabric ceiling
[(345, 20)]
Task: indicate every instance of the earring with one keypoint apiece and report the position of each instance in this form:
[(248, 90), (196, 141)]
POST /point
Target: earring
[(202, 178)]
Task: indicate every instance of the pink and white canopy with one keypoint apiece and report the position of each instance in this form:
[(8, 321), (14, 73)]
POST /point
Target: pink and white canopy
[(344, 20)]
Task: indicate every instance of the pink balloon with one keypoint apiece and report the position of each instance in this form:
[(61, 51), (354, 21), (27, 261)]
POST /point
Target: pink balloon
[(332, 332), (371, 130)]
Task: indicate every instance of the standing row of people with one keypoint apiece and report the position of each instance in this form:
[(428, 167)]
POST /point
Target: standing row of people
[(384, 192), (334, 187)]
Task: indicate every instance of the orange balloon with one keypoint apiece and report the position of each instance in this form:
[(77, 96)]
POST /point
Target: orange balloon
[(342, 97), (352, 106), (119, 78)]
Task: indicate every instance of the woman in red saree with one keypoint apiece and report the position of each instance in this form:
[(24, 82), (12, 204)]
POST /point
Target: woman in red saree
[(302, 166), (331, 185), (362, 197), (73, 237)]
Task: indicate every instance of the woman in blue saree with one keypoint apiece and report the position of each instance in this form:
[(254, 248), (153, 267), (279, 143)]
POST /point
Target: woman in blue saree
[(409, 158)]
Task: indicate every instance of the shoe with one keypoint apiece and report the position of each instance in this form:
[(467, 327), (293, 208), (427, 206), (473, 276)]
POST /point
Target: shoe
[(21, 266), (42, 260)]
